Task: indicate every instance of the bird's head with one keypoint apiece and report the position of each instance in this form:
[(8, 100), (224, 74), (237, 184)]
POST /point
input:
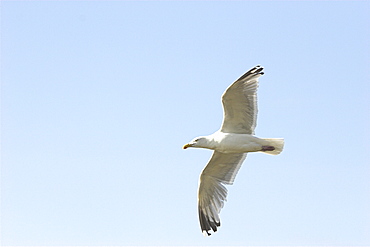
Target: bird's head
[(199, 142)]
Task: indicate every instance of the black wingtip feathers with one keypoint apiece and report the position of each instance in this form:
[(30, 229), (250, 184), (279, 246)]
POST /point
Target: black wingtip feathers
[(257, 70)]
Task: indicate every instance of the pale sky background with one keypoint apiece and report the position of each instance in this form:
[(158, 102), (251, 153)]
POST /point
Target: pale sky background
[(97, 99)]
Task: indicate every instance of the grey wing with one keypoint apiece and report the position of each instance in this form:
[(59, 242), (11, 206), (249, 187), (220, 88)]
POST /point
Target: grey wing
[(240, 103), (221, 169)]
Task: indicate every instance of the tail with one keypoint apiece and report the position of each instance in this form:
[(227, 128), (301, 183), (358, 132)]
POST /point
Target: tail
[(277, 143)]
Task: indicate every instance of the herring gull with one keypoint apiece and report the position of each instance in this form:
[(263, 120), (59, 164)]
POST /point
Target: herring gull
[(230, 143)]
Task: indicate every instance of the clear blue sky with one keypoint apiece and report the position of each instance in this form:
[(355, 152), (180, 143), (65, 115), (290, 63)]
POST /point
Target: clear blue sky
[(97, 99)]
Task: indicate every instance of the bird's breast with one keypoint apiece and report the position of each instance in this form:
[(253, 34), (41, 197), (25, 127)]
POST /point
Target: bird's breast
[(237, 143)]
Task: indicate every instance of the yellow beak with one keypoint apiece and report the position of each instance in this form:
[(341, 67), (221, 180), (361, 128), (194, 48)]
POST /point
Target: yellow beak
[(186, 146)]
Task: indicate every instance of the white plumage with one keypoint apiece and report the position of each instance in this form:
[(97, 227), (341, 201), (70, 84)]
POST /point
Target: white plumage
[(230, 144)]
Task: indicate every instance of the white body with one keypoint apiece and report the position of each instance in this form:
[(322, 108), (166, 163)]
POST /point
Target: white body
[(238, 143), (243, 143)]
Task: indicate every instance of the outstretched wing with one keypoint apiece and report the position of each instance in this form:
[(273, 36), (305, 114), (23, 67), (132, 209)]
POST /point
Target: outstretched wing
[(220, 170), (240, 103)]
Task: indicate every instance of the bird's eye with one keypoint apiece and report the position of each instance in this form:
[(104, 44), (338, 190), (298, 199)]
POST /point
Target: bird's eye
[(196, 140)]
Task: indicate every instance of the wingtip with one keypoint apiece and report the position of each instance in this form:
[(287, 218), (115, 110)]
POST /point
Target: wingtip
[(256, 70), (207, 225), (206, 233)]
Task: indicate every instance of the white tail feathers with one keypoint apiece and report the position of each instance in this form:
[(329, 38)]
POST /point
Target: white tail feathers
[(277, 143)]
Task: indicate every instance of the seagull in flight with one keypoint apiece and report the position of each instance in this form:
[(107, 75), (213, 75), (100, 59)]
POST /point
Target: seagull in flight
[(230, 143)]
